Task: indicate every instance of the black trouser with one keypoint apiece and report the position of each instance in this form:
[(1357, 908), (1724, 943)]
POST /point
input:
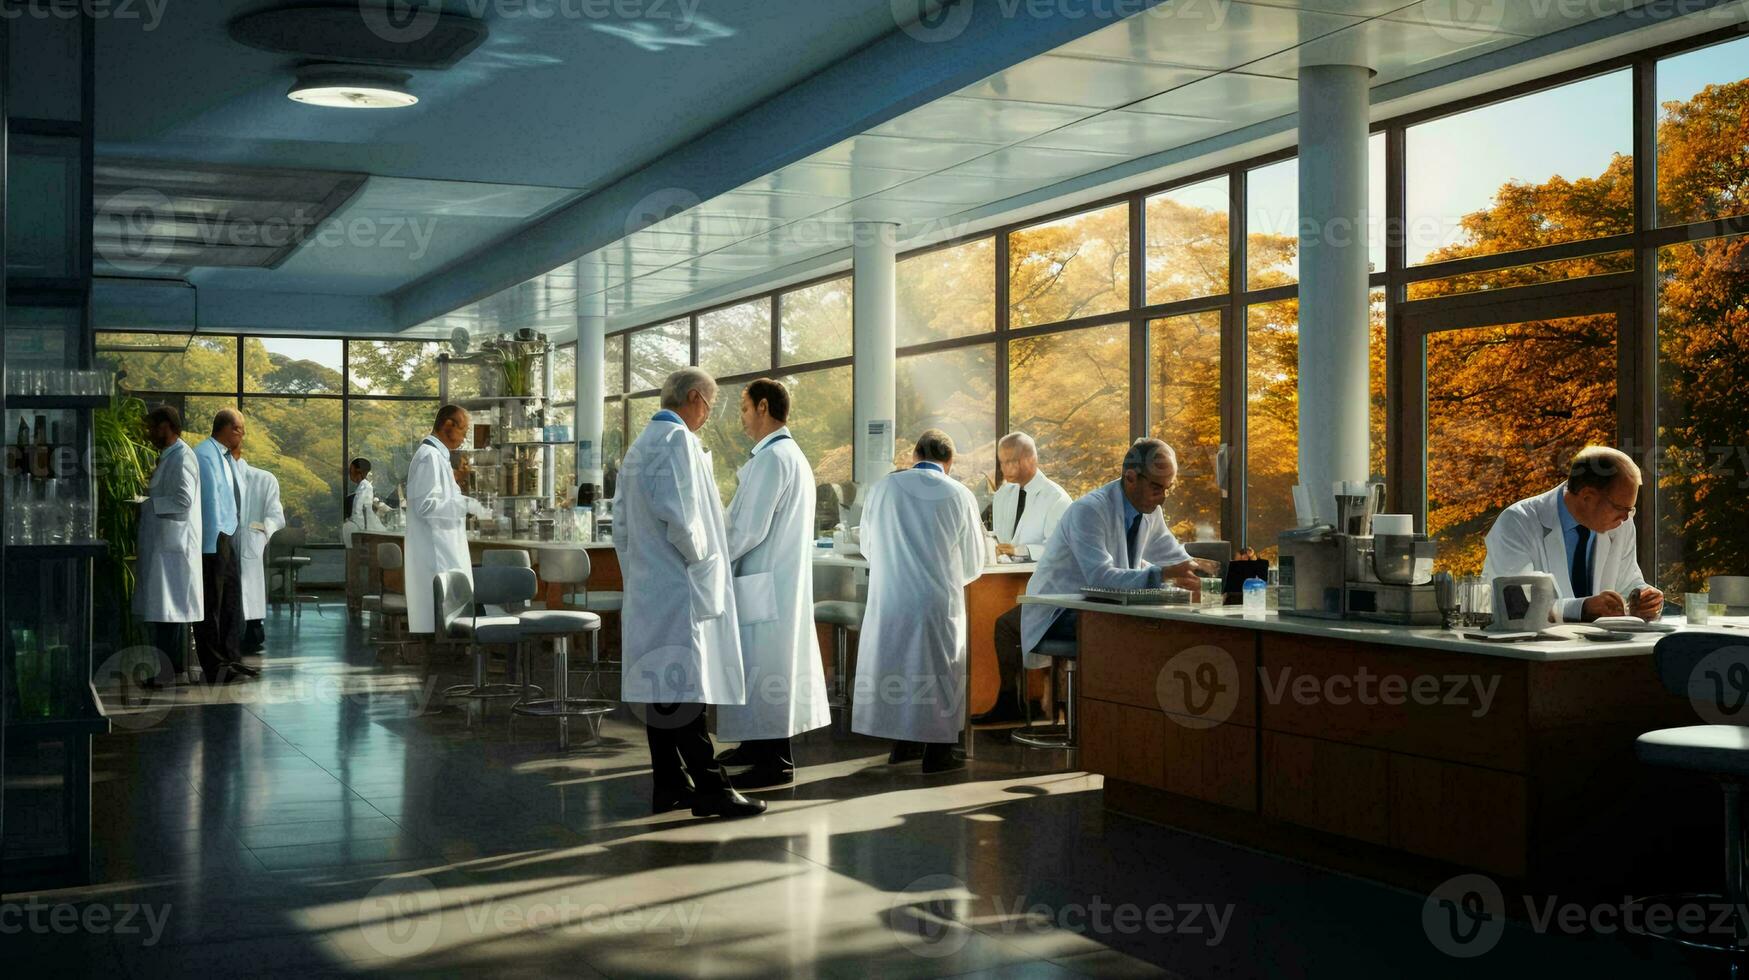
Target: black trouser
[(1008, 658), (680, 746), (254, 636), (768, 753), (218, 639), (169, 640)]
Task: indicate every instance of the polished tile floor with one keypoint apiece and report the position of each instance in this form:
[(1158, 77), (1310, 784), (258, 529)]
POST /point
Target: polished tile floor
[(328, 819)]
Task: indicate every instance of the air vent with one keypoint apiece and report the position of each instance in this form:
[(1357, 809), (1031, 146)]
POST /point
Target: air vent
[(367, 32)]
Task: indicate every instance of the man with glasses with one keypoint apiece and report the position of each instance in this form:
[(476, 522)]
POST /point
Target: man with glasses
[(1582, 533), (1114, 538)]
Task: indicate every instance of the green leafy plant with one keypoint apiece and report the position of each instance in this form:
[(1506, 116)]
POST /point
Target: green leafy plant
[(125, 460), (514, 371)]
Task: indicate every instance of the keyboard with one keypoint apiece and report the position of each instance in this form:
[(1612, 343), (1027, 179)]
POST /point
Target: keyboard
[(1139, 597)]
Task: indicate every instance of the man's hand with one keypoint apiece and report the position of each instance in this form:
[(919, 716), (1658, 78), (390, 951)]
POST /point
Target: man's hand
[(1606, 603), (1005, 549), (1204, 566), (1648, 604)]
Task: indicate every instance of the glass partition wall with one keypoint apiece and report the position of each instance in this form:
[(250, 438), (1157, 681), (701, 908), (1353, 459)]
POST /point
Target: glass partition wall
[(1582, 281)]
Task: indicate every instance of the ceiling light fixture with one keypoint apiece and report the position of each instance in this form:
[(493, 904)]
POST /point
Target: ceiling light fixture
[(351, 87)]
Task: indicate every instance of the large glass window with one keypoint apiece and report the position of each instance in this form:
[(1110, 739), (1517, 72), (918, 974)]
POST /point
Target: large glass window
[(822, 419), (565, 374), (392, 367), (638, 413), (298, 440), (1071, 267), (658, 352), (736, 339), (387, 432), (946, 293), (614, 374), (954, 391), (814, 323), (1272, 225), (1188, 242), (1565, 174), (170, 362), (613, 442), (292, 366), (1703, 467), (724, 440), (1184, 408), (1507, 406), (1703, 97), (1071, 392)]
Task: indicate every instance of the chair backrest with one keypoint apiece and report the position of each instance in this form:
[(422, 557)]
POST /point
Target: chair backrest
[(388, 555), (514, 557), (285, 543), (1710, 669), (564, 566), (451, 598), (500, 585)]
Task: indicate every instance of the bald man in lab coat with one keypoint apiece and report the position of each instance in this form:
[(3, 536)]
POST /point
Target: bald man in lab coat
[(437, 517)]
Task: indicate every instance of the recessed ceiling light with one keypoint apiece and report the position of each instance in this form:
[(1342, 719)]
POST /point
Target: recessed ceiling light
[(346, 87)]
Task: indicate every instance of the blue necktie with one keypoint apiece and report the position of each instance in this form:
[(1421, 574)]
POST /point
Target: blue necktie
[(1130, 540), (1581, 564)]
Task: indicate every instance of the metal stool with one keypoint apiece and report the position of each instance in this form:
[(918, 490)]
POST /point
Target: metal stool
[(283, 557), (559, 625), (570, 567), (512, 557), (1050, 735), (845, 617), (1702, 667), (388, 609), (458, 619)]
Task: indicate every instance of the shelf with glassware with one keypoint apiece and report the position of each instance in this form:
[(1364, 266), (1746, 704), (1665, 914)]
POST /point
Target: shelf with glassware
[(507, 462)]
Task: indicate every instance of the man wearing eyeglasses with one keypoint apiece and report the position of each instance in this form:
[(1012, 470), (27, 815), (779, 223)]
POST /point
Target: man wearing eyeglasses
[(1582, 533)]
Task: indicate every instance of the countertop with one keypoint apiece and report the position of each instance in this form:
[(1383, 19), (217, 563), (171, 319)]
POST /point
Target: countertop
[(529, 543), (831, 559), (1423, 638)]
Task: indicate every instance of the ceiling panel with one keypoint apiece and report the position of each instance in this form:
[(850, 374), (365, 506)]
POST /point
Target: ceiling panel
[(958, 189), (1210, 35), (1395, 49), (981, 120), (1089, 82), (1522, 17), (1239, 99), (1131, 133), (900, 153), (828, 180)]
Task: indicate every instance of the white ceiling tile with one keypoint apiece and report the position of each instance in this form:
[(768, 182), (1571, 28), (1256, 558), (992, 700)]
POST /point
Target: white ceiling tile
[(1132, 134), (956, 189), (1239, 99), (1354, 8), (827, 180), (995, 121), (1519, 17), (763, 204), (1217, 34), (1088, 82), (1036, 163), (1395, 49), (886, 207), (900, 153)]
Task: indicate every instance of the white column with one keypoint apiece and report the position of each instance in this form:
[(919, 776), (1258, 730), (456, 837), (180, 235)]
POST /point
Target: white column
[(591, 366), (1334, 398), (874, 306)]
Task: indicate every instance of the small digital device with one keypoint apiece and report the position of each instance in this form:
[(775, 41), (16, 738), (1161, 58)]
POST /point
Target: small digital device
[(1240, 572)]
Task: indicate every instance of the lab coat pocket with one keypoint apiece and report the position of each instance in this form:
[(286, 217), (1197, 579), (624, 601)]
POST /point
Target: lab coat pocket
[(173, 536), (706, 580), (756, 598)]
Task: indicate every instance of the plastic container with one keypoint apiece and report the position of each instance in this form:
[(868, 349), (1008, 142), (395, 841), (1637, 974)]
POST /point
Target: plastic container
[(1256, 597)]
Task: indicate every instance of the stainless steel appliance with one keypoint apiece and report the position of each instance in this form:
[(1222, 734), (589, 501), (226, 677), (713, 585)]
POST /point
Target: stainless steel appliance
[(1344, 572)]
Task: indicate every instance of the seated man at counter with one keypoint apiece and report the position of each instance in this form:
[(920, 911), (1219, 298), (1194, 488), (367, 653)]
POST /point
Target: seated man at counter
[(1028, 505), (1116, 538), (1582, 533)]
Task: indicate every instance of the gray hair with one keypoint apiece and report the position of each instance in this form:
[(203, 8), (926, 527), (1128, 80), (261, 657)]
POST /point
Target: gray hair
[(1598, 467), (935, 446), (1020, 441), (684, 382), (1144, 453)]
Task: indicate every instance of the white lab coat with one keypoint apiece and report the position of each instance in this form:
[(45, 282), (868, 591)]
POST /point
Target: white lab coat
[(437, 529), (1045, 504), (924, 543), (1527, 537), (771, 543), (363, 516), (167, 588), (679, 635), (1088, 549), (260, 506)]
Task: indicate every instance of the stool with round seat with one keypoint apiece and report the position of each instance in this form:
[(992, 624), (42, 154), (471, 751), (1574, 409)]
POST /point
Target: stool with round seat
[(845, 618), (559, 625), (458, 618), (1050, 735), (1711, 670), (570, 567)]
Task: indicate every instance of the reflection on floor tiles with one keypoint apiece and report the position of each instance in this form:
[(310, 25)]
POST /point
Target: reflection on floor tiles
[(336, 819)]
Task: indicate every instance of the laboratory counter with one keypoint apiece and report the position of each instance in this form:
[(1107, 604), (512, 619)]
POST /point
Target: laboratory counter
[(1406, 755), (366, 575)]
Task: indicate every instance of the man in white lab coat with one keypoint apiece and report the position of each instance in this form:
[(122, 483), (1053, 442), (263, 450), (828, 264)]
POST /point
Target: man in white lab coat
[(680, 638), (167, 562), (1114, 538), (771, 542), (361, 503), (262, 517), (924, 543), (218, 638), (1023, 515), (1582, 534), (437, 516)]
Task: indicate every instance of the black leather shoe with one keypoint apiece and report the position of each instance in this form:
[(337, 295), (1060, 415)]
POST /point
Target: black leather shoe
[(943, 758), (761, 776), (729, 803), (227, 676), (665, 803), (244, 669), (737, 756), (905, 752)]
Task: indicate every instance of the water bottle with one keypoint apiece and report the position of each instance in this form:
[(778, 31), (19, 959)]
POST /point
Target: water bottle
[(1256, 597)]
